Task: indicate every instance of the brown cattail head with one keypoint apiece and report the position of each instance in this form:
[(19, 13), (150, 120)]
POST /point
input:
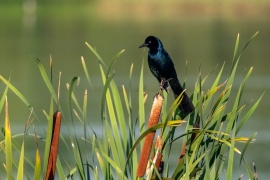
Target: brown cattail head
[(57, 116), (148, 142)]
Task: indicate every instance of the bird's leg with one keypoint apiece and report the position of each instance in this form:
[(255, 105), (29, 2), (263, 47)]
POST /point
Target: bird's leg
[(161, 85), (162, 82), (165, 86)]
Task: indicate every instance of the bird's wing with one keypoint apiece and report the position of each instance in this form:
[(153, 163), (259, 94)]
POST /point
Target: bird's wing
[(155, 67), (168, 67)]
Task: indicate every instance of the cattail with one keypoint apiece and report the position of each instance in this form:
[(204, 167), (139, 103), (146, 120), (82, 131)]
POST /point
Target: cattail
[(57, 116), (158, 147), (148, 142)]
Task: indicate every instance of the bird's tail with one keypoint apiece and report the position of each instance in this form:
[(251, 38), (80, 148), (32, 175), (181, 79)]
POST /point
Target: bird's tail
[(186, 105)]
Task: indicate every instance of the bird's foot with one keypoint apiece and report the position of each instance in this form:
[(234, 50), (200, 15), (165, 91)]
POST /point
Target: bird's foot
[(164, 84), (161, 85)]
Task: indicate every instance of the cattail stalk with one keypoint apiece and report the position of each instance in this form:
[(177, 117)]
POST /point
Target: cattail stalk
[(158, 155), (57, 116), (156, 159), (148, 142)]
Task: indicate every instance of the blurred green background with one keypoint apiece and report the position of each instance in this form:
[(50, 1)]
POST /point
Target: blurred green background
[(201, 33)]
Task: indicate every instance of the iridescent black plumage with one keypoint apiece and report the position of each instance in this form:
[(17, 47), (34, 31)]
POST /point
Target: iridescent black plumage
[(162, 67)]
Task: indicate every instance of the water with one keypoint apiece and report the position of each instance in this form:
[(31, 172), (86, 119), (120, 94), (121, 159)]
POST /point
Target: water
[(200, 39)]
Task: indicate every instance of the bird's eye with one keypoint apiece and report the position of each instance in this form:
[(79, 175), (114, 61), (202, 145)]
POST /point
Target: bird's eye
[(149, 42)]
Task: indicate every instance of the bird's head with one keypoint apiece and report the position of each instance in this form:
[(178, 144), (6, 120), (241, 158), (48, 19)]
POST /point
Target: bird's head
[(152, 42)]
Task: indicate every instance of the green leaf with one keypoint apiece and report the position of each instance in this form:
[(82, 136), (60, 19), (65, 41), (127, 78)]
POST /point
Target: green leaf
[(46, 80), (141, 102), (247, 115), (235, 49), (113, 62), (37, 166), (18, 93), (70, 95), (8, 145), (95, 53), (246, 146), (229, 172), (48, 138), (86, 72), (21, 164)]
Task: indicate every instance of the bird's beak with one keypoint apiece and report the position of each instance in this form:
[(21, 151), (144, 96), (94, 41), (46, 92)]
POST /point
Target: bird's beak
[(143, 45)]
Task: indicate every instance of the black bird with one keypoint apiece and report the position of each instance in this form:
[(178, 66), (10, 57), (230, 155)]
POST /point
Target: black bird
[(162, 67)]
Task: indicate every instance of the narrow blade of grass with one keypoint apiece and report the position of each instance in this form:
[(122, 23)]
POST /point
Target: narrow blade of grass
[(141, 102), (248, 170), (48, 138), (113, 62), (84, 112), (2, 101), (8, 145), (246, 146), (70, 93), (21, 164), (78, 157), (248, 114), (37, 166), (46, 80), (16, 91), (86, 72), (229, 172), (249, 41), (60, 170), (95, 53), (235, 49)]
